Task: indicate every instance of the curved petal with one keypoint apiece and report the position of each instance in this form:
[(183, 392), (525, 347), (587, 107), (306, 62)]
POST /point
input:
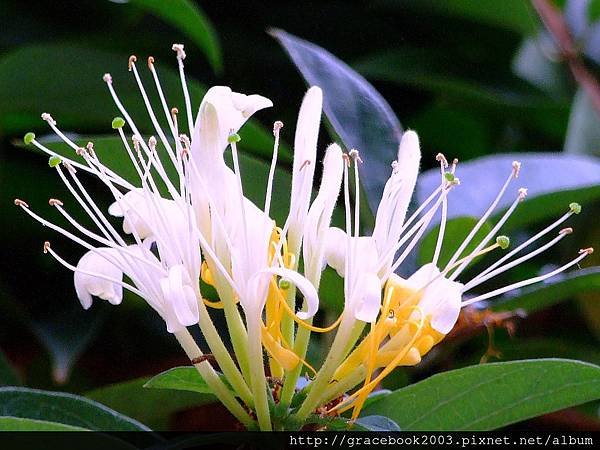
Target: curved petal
[(180, 305), (306, 287), (87, 285), (305, 154), (366, 301)]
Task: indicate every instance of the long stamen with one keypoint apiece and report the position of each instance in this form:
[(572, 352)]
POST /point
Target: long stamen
[(477, 281), (178, 48), (277, 126), (438, 246), (469, 238), (347, 212), (236, 165), (582, 254)]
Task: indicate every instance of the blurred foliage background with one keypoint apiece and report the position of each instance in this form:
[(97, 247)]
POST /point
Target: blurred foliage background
[(473, 78)]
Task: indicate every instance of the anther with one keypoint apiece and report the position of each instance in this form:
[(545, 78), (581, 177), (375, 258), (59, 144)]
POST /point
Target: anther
[(522, 194), (46, 246), (454, 164), (152, 143), (131, 62), (150, 62), (355, 155), (441, 158), (174, 111), (178, 48), (395, 166), (21, 203), (304, 164), (346, 158), (567, 230), (48, 118), (107, 77), (516, 165), (55, 202), (81, 151), (278, 125), (587, 251)]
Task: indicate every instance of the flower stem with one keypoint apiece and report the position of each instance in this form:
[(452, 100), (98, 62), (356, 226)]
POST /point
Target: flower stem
[(209, 375), (257, 372), (336, 354), (222, 356)]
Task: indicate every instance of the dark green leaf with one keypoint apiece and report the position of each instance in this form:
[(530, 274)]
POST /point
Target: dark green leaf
[(490, 396), (64, 408), (583, 133), (553, 181), (456, 231), (378, 423), (540, 296), (150, 406), (188, 18), (8, 376), (357, 112), (23, 424), (181, 379)]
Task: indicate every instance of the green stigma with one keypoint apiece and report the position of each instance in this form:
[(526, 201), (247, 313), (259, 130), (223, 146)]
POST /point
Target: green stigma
[(449, 177), (118, 122), (28, 138), (503, 242), (284, 284), (234, 137), (575, 208), (54, 161)]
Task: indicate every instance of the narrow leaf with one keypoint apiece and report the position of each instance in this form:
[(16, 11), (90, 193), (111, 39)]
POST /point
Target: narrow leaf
[(179, 378)]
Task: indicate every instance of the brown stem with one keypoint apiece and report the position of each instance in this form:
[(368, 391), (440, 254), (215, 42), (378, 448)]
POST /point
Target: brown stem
[(556, 25)]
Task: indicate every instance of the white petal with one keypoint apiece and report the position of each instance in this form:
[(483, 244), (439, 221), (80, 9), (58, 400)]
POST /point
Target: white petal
[(366, 301), (335, 251), (180, 307), (305, 153), (397, 193), (319, 215), (87, 286), (306, 287)]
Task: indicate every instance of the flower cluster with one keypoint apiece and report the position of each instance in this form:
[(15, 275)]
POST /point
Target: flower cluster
[(187, 223)]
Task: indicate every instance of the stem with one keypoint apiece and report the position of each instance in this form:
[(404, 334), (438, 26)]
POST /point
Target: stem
[(257, 372), (334, 358), (291, 378), (222, 356), (209, 375)]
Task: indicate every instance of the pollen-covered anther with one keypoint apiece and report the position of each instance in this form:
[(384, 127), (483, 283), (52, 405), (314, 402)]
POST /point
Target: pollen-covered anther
[(152, 143), (55, 202), (395, 166), (178, 48), (46, 246), (522, 194), (567, 230), (442, 159), (278, 125), (132, 60), (355, 155), (186, 142), (136, 143), (587, 251), (81, 151), (150, 62), (48, 118), (107, 77), (516, 165), (69, 167), (454, 164), (21, 203)]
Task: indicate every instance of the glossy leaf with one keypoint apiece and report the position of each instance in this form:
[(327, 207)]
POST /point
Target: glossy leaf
[(188, 18), (378, 423), (181, 379), (358, 114), (64, 408), (145, 407), (490, 396), (553, 182), (583, 133), (539, 296), (23, 424)]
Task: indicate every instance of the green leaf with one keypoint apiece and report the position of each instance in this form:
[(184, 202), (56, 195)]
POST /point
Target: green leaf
[(79, 100), (150, 406), (22, 424), (8, 376), (378, 423), (553, 182), (583, 133), (357, 112), (593, 10), (490, 396), (554, 290), (181, 379), (188, 18), (456, 231), (64, 408)]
